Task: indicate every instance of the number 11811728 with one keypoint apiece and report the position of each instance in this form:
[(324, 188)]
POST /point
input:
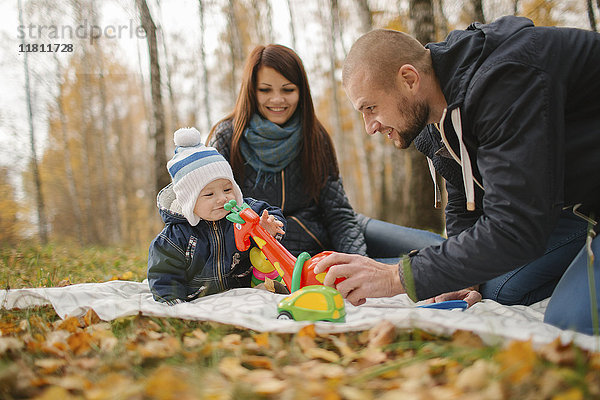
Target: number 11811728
[(45, 48)]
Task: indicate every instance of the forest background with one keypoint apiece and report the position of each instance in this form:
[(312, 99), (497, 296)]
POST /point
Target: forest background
[(87, 129)]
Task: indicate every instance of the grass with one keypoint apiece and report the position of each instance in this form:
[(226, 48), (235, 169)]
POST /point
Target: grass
[(31, 265), (138, 357)]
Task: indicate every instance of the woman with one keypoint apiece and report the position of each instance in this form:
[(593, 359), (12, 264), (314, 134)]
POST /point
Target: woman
[(280, 153)]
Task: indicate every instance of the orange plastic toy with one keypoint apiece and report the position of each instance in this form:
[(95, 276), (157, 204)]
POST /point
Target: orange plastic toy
[(295, 272)]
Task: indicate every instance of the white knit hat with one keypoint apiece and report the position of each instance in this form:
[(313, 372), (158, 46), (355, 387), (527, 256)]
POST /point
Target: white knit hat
[(194, 166)]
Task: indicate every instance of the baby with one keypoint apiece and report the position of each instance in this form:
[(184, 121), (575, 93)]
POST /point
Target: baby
[(195, 254)]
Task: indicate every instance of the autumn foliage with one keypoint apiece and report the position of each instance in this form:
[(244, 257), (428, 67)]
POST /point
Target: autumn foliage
[(139, 357)]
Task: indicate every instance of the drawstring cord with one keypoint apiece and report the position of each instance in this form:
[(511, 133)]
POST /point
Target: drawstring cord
[(436, 186), (464, 161)]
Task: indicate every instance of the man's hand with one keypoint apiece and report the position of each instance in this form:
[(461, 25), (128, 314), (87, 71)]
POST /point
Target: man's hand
[(271, 224), (364, 277), (470, 295)]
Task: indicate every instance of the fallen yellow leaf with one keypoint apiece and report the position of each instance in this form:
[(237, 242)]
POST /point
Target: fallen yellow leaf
[(308, 330), (262, 339), (91, 318), (114, 386), (55, 393), (558, 353), (80, 342), (10, 344), (231, 368), (162, 348), (517, 360), (49, 365), (381, 334), (476, 377), (69, 324), (231, 342), (257, 361), (570, 394), (317, 352), (168, 383)]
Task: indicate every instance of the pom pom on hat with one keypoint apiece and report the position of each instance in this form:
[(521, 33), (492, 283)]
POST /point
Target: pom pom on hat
[(187, 137), (194, 166)]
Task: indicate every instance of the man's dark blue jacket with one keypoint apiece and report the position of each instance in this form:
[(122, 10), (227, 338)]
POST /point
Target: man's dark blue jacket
[(186, 262), (529, 104)]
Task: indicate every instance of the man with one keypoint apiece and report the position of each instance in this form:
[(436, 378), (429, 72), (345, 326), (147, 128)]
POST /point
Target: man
[(518, 112)]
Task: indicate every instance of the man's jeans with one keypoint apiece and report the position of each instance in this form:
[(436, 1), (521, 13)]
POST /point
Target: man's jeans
[(389, 242), (570, 306), (561, 274), (536, 280)]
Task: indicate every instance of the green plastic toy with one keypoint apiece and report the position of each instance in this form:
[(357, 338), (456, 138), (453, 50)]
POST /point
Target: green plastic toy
[(313, 303)]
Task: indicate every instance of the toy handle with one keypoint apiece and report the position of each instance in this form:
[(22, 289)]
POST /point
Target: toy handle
[(447, 305), (310, 277), (242, 241)]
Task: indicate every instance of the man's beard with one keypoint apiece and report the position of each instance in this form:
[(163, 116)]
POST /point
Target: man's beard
[(415, 116)]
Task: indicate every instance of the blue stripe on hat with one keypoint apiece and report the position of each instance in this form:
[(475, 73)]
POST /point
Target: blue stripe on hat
[(200, 164), (195, 157)]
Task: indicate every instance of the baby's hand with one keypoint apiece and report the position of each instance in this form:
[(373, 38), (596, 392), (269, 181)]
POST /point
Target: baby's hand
[(271, 224)]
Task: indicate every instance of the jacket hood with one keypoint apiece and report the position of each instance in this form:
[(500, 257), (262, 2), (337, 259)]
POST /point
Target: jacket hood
[(168, 207), (456, 60)]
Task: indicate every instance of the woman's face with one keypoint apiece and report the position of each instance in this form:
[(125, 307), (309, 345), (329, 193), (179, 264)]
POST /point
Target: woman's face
[(277, 97)]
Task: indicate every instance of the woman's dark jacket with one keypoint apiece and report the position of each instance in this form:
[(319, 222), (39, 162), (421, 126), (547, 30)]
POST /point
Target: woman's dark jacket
[(330, 224), (186, 262), (529, 100)]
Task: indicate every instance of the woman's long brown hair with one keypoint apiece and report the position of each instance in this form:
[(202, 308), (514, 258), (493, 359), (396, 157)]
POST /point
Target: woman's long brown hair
[(318, 154)]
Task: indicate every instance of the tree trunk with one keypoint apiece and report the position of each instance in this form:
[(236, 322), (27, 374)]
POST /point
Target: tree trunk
[(234, 47), (269, 22), (91, 224), (255, 15), (417, 187), (174, 118), (112, 231), (203, 61), (337, 25), (442, 20), (292, 27), (478, 11), (41, 214), (162, 177), (71, 185), (353, 154), (364, 15), (591, 17), (377, 151)]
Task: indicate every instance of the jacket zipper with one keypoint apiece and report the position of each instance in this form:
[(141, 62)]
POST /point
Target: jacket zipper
[(282, 191), (218, 256), (308, 231)]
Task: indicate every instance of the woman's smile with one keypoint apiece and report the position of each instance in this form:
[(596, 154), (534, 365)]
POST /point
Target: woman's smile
[(276, 96)]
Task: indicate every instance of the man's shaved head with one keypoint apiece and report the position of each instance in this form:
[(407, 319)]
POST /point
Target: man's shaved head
[(380, 53)]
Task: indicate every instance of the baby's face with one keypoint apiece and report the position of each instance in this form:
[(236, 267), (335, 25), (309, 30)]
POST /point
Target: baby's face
[(210, 202)]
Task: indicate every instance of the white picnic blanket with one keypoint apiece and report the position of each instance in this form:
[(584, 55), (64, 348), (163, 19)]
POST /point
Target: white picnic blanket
[(257, 310)]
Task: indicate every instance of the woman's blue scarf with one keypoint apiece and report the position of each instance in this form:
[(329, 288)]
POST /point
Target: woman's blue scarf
[(268, 147)]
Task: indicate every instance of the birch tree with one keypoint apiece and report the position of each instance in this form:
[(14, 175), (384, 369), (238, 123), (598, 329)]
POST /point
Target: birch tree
[(292, 26), (111, 232), (204, 63), (41, 213), (234, 46), (67, 157), (162, 177), (591, 16), (417, 188), (174, 119), (364, 15), (478, 11), (86, 121)]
